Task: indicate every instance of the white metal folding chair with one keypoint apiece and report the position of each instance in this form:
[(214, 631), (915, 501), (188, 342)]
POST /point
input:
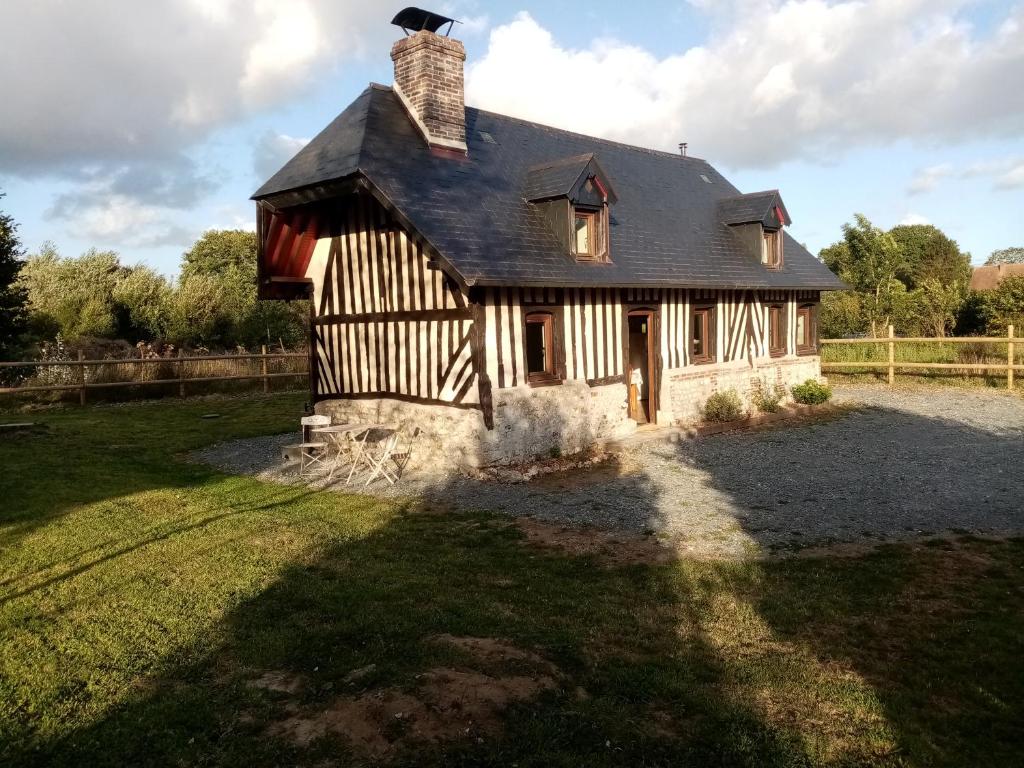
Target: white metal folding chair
[(379, 461), (312, 452), (401, 455)]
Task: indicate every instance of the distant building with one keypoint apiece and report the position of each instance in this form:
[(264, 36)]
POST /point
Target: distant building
[(987, 278)]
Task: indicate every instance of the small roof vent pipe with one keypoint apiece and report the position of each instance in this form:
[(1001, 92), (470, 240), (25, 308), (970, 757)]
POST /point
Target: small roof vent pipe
[(682, 148)]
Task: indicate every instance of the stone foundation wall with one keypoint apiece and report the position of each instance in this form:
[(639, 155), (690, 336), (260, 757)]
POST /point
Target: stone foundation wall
[(685, 390), (562, 419), (450, 436), (528, 422)]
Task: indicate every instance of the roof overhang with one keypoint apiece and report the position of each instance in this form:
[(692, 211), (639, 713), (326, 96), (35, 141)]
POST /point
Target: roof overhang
[(764, 208)]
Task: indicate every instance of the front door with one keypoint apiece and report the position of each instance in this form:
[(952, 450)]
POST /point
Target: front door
[(642, 374)]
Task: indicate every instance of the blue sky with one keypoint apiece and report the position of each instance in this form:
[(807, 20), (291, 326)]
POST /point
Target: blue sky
[(137, 126)]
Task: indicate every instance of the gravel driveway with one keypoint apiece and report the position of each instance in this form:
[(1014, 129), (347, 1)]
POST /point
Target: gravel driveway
[(904, 463)]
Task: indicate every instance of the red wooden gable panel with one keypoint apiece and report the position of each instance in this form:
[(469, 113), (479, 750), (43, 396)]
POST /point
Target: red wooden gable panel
[(288, 240)]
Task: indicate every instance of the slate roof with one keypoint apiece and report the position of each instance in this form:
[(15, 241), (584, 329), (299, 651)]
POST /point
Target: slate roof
[(665, 228)]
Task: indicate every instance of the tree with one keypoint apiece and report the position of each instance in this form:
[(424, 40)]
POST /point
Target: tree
[(224, 253), (197, 313), (840, 316), (1006, 256), (228, 257), (13, 298), (142, 297), (72, 296), (870, 260), (928, 254), (1004, 306), (939, 305)]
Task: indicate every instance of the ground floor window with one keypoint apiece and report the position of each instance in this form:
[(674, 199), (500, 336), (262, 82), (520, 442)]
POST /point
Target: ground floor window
[(776, 330), (806, 333), (540, 348), (702, 346)]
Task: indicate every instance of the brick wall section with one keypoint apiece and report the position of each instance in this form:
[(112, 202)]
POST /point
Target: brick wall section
[(429, 73)]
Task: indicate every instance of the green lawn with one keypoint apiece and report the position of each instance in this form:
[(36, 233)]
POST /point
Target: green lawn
[(155, 612)]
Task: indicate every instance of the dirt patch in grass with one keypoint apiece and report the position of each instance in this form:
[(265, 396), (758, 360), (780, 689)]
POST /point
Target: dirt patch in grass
[(610, 548), (443, 704), (280, 682), (539, 470)]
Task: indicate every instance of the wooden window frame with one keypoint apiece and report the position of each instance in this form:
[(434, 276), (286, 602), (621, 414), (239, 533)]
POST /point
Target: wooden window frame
[(777, 346), (771, 253), (549, 375), (598, 218), (710, 342), (809, 344)]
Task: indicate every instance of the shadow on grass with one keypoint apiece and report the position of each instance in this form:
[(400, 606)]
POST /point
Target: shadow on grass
[(905, 655)]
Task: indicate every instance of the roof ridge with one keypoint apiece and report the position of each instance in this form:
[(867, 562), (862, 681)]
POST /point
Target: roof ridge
[(636, 147), (612, 142)]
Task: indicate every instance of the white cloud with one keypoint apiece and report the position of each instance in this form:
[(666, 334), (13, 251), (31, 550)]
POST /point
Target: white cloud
[(913, 218), (95, 82), (1012, 178), (928, 178), (271, 151), (121, 221), (800, 79), (1006, 173)]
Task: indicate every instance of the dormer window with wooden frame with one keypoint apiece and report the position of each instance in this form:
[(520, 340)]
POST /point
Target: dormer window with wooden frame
[(589, 233), (771, 248), (575, 195), (757, 221)]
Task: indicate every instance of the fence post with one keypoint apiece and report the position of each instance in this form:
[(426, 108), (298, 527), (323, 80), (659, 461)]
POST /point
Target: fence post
[(1009, 357), (81, 377), (892, 357), (263, 369), (181, 377)]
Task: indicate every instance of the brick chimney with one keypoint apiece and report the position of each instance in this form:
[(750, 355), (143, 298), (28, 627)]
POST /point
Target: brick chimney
[(429, 82)]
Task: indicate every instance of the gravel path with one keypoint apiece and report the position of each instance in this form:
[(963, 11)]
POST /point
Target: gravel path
[(905, 462)]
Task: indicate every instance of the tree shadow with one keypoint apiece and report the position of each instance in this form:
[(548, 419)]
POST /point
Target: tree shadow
[(693, 662)]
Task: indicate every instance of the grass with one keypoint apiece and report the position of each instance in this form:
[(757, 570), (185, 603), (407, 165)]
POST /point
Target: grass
[(141, 596), (918, 352)]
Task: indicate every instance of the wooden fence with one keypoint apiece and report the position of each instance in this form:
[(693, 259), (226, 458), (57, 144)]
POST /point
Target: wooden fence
[(892, 364), (83, 366)]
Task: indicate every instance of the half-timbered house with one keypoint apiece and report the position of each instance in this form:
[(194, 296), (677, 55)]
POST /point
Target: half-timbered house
[(515, 289)]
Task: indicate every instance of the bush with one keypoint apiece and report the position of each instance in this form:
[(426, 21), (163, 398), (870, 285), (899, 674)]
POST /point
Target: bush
[(724, 406), (767, 399), (812, 392)]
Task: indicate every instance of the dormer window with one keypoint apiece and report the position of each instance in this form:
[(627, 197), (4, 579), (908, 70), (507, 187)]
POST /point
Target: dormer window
[(771, 248), (757, 221), (589, 233), (574, 195)]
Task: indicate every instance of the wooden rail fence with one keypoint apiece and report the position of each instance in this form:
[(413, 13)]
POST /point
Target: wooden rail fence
[(83, 385), (892, 364)]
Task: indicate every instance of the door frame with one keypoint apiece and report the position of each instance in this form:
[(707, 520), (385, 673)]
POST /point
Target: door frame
[(653, 315)]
